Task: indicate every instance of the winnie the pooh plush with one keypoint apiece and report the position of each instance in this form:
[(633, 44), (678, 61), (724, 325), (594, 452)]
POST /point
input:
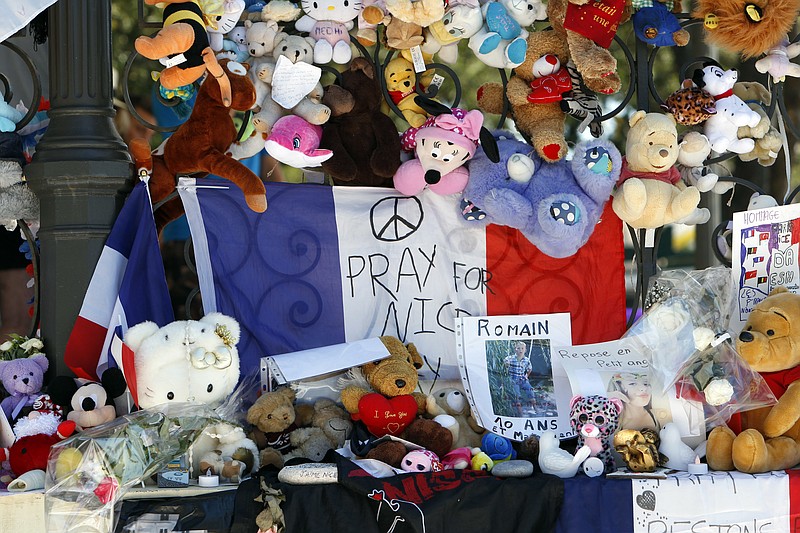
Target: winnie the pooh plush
[(770, 436), (650, 192), (541, 124), (401, 84)]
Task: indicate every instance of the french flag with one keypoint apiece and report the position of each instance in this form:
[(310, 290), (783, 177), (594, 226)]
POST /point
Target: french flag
[(128, 286), (327, 265)]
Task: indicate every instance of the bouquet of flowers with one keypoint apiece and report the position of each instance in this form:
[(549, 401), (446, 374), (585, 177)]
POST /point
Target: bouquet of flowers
[(19, 347)]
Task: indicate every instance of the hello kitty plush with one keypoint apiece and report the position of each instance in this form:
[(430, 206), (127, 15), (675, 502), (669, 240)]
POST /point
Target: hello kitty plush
[(329, 22), (502, 41), (222, 24), (185, 361), (722, 127)]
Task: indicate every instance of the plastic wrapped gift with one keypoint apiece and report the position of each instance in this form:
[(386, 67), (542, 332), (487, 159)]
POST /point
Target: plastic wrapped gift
[(88, 474), (685, 310)]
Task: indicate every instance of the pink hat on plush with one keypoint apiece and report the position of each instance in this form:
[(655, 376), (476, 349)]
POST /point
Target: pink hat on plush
[(460, 127)]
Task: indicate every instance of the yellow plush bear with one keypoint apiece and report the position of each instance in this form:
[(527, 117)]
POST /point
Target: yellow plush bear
[(770, 436), (650, 192), (400, 82)]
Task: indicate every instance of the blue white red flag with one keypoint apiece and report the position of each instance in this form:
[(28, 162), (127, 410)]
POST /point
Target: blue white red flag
[(128, 287)]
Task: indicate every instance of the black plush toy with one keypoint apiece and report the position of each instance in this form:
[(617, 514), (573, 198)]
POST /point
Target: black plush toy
[(88, 403)]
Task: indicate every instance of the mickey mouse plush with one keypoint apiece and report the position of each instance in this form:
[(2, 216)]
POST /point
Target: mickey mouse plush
[(88, 403)]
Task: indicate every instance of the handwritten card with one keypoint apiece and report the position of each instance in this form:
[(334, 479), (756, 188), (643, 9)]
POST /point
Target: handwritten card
[(291, 82)]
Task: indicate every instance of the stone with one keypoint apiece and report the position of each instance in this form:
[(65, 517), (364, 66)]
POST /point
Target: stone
[(309, 474), (513, 468)]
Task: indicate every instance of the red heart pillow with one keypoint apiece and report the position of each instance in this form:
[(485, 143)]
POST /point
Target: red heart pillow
[(386, 416)]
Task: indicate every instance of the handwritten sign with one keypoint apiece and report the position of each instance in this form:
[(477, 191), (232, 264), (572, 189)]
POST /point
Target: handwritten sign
[(717, 502), (515, 385), (765, 256), (291, 82)]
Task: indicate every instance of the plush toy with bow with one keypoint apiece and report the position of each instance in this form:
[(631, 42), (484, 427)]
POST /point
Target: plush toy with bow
[(442, 145), (199, 355), (23, 379), (329, 22), (200, 144)]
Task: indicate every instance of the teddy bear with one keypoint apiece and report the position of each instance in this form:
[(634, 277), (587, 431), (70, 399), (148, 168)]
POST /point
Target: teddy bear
[(200, 356), (22, 379), (744, 27), (224, 449), (541, 124), (462, 20), (501, 42), (732, 113), (650, 192), (17, 200), (770, 436), (401, 84), (767, 138), (295, 49), (364, 141), (88, 403), (588, 42), (333, 420), (275, 417), (260, 40), (449, 407), (413, 15), (657, 25), (556, 206), (694, 150), (199, 145)]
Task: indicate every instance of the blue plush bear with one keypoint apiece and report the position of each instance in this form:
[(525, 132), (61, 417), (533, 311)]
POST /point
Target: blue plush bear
[(555, 205)]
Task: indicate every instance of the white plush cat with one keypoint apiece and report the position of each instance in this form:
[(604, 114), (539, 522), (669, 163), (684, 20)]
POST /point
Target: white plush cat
[(329, 22)]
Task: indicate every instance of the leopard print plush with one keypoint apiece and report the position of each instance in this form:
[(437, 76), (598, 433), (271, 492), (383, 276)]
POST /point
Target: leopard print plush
[(690, 105), (595, 419)]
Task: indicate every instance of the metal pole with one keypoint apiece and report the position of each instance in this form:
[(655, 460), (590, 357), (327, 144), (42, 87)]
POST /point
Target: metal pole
[(81, 165)]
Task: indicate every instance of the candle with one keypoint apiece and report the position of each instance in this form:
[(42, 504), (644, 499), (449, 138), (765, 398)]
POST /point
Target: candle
[(697, 467), (208, 479)]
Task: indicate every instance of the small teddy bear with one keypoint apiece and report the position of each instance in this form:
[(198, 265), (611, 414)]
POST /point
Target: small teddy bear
[(229, 452), (449, 407), (22, 379), (275, 417)]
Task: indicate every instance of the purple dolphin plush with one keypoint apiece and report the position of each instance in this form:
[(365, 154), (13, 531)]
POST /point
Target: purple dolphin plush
[(295, 142)]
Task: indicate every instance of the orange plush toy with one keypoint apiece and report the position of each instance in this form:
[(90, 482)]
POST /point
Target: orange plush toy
[(200, 145), (181, 43)]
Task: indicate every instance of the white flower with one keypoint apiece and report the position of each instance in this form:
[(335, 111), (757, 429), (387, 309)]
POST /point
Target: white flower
[(6, 346), (718, 392), (31, 343)]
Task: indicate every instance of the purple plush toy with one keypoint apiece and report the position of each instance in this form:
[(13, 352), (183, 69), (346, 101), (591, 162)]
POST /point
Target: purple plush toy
[(22, 379), (556, 206)]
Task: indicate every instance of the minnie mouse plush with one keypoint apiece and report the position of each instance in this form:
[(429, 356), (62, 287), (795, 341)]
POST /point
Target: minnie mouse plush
[(442, 145)]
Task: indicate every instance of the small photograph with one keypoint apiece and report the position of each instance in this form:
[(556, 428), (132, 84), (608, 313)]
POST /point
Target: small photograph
[(521, 378), (642, 409)]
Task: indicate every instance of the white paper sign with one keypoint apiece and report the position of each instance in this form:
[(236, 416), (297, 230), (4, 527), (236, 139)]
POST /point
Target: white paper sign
[(619, 369), (712, 503), (515, 386), (765, 256), (291, 82)]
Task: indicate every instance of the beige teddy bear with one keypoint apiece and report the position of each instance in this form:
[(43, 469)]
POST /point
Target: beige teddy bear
[(650, 192), (449, 407), (275, 417), (766, 136)]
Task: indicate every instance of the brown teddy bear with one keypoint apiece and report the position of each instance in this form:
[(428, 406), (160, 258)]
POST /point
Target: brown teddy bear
[(275, 418), (770, 436), (541, 124), (385, 402), (334, 421), (571, 19), (364, 141)]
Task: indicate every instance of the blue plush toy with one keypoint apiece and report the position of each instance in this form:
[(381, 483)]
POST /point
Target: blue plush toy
[(9, 116), (497, 448), (658, 26), (556, 206)]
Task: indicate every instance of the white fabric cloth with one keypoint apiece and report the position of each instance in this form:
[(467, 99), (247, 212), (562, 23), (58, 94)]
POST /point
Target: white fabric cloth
[(17, 14)]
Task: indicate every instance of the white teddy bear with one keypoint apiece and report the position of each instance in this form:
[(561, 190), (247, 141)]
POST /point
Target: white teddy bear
[(261, 37), (732, 113), (695, 149), (185, 361), (225, 450)]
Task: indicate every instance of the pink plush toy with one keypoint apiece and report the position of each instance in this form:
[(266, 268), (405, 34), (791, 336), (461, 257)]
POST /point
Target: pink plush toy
[(442, 145), (295, 142), (457, 459), (421, 461)]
